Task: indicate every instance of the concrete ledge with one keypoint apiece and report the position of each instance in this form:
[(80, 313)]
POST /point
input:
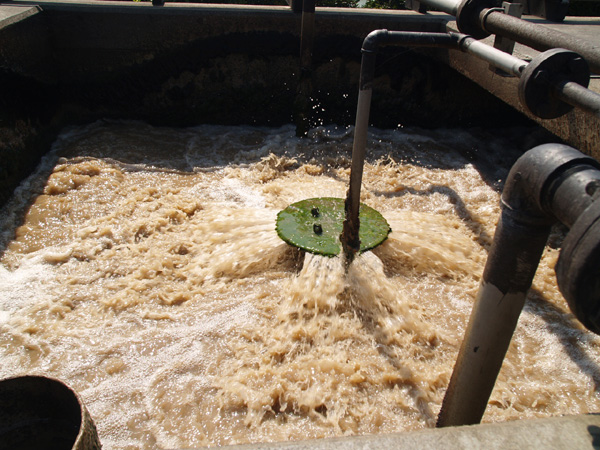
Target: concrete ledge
[(249, 10), (577, 128), (10, 14), (569, 432)]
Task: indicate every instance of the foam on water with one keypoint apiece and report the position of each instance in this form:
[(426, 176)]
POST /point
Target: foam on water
[(148, 275)]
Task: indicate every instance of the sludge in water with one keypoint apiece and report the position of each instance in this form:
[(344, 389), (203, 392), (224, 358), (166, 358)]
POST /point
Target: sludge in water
[(148, 275)]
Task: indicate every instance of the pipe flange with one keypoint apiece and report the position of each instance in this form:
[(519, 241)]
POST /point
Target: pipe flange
[(578, 268), (467, 17), (538, 78)]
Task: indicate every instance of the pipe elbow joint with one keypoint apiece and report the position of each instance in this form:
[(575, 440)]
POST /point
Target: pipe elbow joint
[(374, 39), (528, 189), (555, 182)]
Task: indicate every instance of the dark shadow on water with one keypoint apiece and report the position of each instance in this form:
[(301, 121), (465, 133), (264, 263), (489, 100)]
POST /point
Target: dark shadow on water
[(460, 208), (569, 331), (19, 209)]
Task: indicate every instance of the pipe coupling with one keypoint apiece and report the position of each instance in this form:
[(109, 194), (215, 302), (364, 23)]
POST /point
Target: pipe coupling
[(578, 267), (539, 78), (467, 17)]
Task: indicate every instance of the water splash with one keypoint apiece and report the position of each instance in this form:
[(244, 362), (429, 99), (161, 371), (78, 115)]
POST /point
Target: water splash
[(149, 276)]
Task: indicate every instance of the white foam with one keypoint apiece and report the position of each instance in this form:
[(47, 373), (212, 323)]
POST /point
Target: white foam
[(25, 285), (183, 320)]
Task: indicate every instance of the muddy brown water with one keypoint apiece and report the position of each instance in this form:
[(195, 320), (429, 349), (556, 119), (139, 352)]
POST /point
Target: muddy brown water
[(147, 274)]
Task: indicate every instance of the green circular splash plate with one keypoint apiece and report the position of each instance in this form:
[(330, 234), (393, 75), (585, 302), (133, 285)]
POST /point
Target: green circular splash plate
[(315, 225)]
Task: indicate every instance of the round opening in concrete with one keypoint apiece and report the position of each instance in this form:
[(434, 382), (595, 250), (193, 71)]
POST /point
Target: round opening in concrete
[(42, 413)]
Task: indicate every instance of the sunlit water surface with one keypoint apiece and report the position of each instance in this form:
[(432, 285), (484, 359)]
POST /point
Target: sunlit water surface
[(148, 276)]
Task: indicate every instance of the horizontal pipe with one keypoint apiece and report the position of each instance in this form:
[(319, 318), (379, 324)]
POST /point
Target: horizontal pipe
[(569, 92), (447, 6), (380, 38), (538, 36), (501, 60), (576, 95)]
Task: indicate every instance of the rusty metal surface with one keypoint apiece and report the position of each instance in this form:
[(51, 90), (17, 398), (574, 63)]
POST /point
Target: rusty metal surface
[(543, 37)]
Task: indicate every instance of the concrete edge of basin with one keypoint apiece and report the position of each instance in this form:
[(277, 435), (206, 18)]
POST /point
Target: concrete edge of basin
[(175, 7), (11, 14), (566, 432)]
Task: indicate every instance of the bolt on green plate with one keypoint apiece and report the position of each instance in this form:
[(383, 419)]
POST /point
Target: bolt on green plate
[(315, 225)]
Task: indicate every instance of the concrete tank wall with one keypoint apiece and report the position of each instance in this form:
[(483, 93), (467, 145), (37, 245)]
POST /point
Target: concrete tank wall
[(180, 65)]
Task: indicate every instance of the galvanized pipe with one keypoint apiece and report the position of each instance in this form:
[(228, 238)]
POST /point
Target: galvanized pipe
[(578, 96), (508, 63), (548, 183), (350, 232), (447, 6), (537, 36)]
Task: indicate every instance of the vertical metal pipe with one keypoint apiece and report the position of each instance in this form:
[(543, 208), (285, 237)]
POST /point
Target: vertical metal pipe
[(508, 274), (307, 33), (350, 232), (548, 182)]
